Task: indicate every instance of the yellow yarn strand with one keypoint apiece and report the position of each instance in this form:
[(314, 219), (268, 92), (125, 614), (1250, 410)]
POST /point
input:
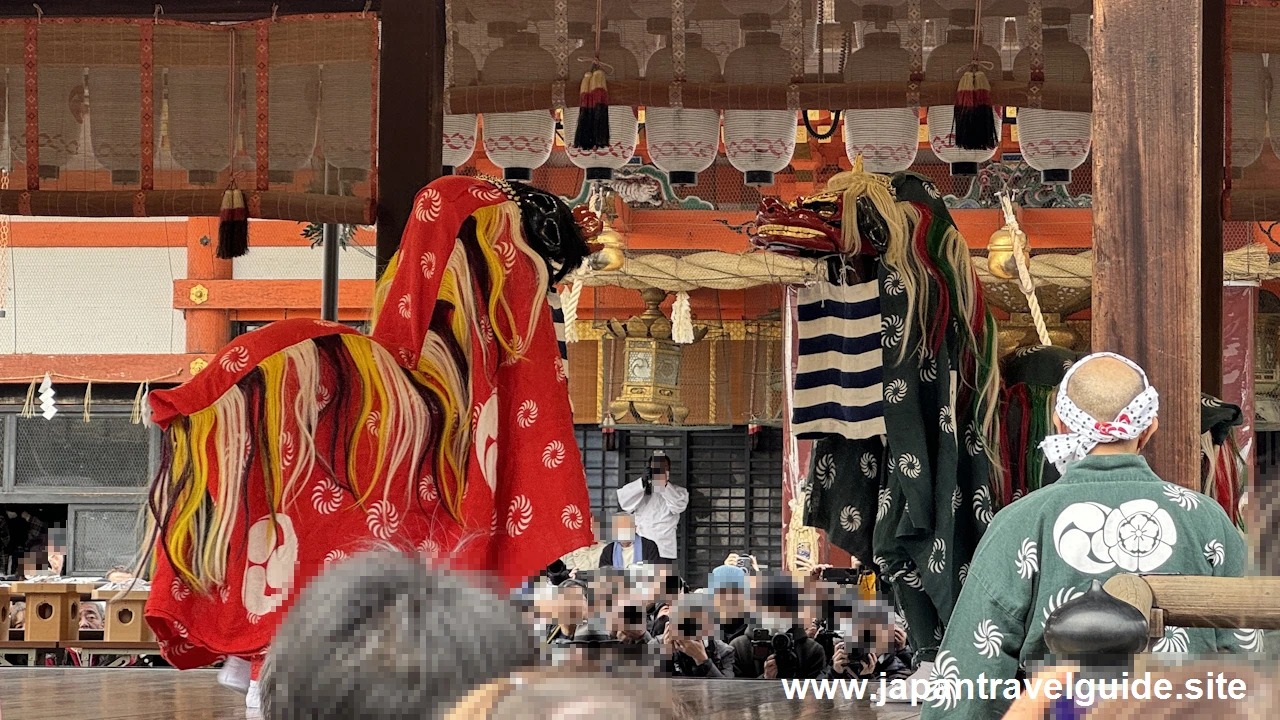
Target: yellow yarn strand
[(190, 448), (381, 289), (447, 459), (492, 223), (358, 347), (273, 371)]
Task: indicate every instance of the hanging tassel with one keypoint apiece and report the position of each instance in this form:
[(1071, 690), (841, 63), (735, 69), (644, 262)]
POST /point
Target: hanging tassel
[(88, 399), (973, 118), (682, 319), (233, 228), (569, 304), (593, 112), (146, 404), (29, 407), (135, 416)]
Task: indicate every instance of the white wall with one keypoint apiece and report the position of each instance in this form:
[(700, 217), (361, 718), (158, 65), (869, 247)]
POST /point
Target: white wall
[(298, 263), (93, 300)]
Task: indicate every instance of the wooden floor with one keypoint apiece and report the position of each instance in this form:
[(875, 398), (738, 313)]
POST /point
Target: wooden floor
[(127, 694)]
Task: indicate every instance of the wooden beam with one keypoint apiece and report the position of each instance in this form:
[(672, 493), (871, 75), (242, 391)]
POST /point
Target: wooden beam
[(1147, 169), (1213, 161), (298, 206), (205, 10), (1075, 97), (175, 368), (267, 294), (410, 112)]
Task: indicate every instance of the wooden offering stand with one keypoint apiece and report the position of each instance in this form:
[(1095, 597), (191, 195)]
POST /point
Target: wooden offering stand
[(53, 611), (125, 621)]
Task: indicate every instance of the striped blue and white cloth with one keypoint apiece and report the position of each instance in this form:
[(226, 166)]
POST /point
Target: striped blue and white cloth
[(838, 385), (557, 317)]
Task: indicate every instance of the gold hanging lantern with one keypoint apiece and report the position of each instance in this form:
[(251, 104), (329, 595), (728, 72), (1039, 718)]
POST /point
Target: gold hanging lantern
[(651, 381)]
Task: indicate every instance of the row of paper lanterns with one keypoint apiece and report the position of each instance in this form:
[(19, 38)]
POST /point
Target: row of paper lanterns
[(328, 103), (759, 143)]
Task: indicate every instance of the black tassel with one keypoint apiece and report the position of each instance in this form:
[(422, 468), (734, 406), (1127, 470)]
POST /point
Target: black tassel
[(593, 112), (233, 226), (973, 120)]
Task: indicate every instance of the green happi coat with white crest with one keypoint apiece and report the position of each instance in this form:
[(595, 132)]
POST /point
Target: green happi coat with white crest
[(1108, 514)]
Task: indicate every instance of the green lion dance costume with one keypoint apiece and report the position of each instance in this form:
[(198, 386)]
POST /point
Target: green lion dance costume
[(904, 409)]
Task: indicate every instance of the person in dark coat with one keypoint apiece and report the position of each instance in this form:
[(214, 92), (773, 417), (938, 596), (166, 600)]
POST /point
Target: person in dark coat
[(690, 645), (777, 647), (624, 551), (728, 585)]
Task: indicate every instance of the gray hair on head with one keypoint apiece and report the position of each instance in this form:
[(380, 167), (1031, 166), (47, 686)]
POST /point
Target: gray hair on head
[(383, 636), (570, 697)]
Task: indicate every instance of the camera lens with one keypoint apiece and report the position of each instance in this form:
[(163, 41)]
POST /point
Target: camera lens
[(632, 615), (781, 642)]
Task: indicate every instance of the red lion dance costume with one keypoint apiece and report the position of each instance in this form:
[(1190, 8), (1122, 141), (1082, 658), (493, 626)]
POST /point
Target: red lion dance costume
[(448, 431)]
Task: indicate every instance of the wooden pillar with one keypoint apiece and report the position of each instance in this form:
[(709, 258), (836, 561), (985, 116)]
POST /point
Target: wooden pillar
[(410, 112), (1147, 208), (1212, 163), (207, 330)]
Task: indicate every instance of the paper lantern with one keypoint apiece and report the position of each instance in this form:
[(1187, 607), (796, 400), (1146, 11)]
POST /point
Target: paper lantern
[(887, 138), (759, 143), (1248, 108), (519, 142), (346, 117), (623, 125), (460, 131), (944, 61), (293, 108), (1056, 142), (683, 142), (115, 125), (61, 107), (197, 121)]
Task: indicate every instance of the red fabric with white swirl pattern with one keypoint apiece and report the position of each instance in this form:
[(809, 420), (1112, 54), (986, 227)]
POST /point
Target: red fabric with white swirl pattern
[(525, 502)]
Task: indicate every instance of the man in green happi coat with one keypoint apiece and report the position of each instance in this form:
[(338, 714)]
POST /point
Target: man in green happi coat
[(1108, 514)]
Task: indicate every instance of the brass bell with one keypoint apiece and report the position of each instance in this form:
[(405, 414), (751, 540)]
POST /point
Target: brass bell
[(1000, 260), (611, 258)]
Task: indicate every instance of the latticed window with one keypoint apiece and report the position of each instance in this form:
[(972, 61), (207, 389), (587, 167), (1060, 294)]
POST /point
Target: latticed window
[(602, 472), (65, 452), (735, 492)]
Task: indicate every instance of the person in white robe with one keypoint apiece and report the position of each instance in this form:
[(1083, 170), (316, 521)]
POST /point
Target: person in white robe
[(656, 505)]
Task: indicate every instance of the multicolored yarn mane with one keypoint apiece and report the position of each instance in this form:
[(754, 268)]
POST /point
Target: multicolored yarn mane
[(475, 270), (281, 412), (420, 416), (928, 253)]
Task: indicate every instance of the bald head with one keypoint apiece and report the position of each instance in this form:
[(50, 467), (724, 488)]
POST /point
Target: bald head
[(1103, 386)]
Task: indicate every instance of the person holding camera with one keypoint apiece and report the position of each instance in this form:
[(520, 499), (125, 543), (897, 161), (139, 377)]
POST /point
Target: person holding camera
[(656, 505), (571, 607), (691, 645), (778, 646)]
